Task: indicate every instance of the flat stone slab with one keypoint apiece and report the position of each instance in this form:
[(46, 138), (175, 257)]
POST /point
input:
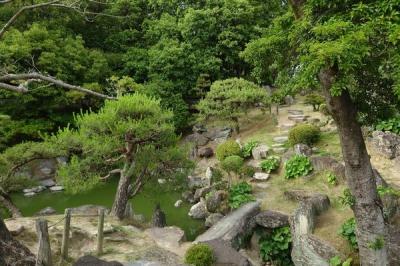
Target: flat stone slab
[(56, 188), (261, 176), (295, 112), (279, 150), (272, 219), (234, 226), (47, 183), (280, 139)]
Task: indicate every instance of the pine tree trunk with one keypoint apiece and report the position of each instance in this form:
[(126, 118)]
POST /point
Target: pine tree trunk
[(359, 174), (11, 251), (121, 197)]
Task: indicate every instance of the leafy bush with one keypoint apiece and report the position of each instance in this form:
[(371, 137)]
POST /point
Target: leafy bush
[(337, 261), (232, 164), (348, 231), (276, 247), (247, 171), (248, 148), (200, 255), (226, 149), (315, 100), (240, 194), (304, 133), (332, 179), (270, 164), (347, 199), (392, 125), (298, 165)]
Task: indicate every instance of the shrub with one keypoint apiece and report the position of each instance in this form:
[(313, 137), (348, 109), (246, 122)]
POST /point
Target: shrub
[(248, 148), (348, 231), (332, 179), (232, 164), (228, 148), (315, 100), (337, 261), (199, 255), (247, 171), (240, 194), (270, 164), (392, 125), (298, 165), (276, 247), (304, 133), (347, 199)]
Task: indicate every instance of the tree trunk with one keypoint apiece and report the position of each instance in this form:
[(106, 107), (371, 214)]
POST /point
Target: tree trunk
[(9, 205), (359, 174), (11, 251), (122, 196)]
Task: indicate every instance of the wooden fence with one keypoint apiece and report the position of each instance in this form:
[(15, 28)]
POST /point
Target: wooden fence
[(42, 228)]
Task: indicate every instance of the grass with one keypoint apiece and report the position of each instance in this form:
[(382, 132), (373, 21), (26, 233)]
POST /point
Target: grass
[(329, 144)]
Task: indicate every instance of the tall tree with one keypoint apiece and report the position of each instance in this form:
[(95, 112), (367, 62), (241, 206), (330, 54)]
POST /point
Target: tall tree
[(333, 46)]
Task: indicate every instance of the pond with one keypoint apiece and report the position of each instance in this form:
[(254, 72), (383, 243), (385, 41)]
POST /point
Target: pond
[(143, 203)]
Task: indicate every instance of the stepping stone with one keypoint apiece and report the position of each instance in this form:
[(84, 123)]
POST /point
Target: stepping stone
[(287, 126), (279, 150), (48, 183), (30, 194), (277, 145), (295, 112), (34, 189), (298, 118), (261, 176), (281, 139)]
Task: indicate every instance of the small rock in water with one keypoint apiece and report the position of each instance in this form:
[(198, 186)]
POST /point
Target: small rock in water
[(199, 210), (161, 181), (46, 211), (34, 189), (30, 194), (178, 203), (261, 176), (56, 188)]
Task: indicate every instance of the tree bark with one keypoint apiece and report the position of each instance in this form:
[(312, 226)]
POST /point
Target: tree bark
[(122, 196), (367, 209), (7, 203), (11, 251)]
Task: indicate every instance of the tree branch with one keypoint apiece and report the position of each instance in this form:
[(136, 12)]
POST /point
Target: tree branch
[(115, 171), (30, 77), (5, 1), (19, 13)]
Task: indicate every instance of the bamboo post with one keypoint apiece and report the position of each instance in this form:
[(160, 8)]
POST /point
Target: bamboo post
[(44, 250), (65, 237), (100, 232)]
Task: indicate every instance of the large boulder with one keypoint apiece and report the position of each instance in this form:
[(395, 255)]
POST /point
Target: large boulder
[(235, 227), (197, 139), (215, 200), (93, 261), (260, 152), (199, 210), (226, 255), (213, 219), (386, 143), (324, 163), (205, 152), (201, 192), (307, 249), (302, 149), (198, 182), (272, 219), (219, 134)]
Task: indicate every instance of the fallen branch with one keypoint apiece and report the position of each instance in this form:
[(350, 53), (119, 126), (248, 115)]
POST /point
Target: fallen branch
[(32, 77)]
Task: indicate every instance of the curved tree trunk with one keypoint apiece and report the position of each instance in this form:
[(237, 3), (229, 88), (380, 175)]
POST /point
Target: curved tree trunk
[(121, 197), (11, 251), (367, 209), (9, 205)]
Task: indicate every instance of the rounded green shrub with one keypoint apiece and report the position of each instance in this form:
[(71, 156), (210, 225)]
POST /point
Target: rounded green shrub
[(247, 171), (232, 163), (270, 164), (298, 165), (226, 149), (305, 134), (199, 255)]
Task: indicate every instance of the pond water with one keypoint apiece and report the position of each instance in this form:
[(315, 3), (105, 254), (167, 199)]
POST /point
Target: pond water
[(143, 203)]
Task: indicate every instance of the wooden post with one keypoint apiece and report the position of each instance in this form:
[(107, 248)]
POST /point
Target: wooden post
[(100, 232), (65, 238), (44, 250)]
